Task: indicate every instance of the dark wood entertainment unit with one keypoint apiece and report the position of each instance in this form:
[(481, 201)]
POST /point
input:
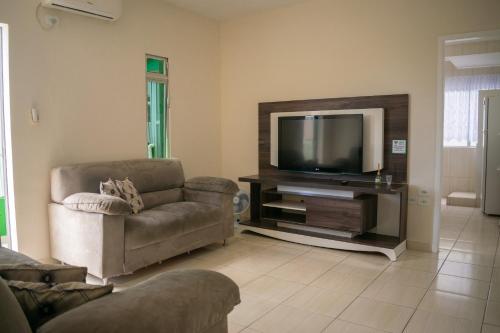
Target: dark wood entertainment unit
[(347, 221)]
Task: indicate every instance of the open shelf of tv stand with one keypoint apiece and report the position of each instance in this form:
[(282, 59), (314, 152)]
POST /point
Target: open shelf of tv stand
[(311, 218)]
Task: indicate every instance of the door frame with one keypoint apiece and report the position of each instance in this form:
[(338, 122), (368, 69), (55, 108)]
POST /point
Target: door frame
[(440, 123), (6, 140)]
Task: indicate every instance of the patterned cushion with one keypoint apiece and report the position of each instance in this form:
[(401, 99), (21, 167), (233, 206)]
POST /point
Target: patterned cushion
[(40, 302), (109, 187), (43, 273), (126, 190), (130, 194)]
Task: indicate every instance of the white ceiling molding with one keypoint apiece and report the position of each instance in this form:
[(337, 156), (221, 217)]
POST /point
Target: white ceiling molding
[(475, 60)]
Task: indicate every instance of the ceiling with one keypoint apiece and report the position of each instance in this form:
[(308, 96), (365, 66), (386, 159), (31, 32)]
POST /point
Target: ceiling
[(226, 9)]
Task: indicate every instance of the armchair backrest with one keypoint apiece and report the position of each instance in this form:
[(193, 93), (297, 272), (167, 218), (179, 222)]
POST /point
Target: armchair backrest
[(148, 175)]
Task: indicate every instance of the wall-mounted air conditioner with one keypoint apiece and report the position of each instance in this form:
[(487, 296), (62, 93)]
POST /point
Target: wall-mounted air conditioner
[(104, 9)]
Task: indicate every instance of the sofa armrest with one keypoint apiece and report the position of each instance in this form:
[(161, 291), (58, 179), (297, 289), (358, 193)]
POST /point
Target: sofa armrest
[(93, 240), (97, 203), (178, 301), (212, 184)]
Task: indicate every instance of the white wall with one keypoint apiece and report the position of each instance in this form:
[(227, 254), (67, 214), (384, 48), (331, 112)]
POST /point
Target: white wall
[(87, 79), (337, 48)]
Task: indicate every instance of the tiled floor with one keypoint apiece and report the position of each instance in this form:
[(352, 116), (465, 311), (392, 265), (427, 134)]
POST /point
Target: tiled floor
[(286, 287)]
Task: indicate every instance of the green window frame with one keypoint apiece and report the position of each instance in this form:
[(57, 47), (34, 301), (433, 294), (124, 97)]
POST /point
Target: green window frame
[(157, 106)]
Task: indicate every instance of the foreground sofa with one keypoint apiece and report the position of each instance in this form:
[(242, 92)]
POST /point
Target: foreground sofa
[(194, 301), (179, 215)]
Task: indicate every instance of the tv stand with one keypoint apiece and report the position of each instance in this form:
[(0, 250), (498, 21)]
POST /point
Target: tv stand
[(317, 217)]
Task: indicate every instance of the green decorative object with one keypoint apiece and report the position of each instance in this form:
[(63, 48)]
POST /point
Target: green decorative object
[(3, 217)]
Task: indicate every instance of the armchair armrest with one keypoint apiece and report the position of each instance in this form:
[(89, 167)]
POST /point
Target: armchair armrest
[(97, 203), (212, 184), (178, 301)]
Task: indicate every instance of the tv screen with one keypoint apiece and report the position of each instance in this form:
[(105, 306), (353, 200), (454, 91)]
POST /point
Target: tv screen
[(329, 143)]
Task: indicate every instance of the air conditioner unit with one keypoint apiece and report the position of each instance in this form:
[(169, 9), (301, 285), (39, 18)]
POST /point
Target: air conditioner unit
[(104, 9)]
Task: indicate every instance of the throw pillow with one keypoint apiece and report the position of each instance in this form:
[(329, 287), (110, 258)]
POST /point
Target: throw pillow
[(109, 187), (43, 273), (130, 194), (41, 303), (97, 203)]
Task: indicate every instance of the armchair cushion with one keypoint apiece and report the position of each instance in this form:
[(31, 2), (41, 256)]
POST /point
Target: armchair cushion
[(41, 302), (97, 203), (45, 273), (212, 184)]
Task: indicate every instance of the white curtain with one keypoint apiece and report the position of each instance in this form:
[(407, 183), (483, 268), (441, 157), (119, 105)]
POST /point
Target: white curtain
[(461, 107)]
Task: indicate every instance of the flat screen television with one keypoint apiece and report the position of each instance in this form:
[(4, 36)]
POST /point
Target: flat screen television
[(329, 143)]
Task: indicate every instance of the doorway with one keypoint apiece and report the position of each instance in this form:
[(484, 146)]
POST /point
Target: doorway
[(468, 65)]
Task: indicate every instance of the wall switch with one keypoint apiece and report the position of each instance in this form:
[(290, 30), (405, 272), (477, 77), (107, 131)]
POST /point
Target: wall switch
[(423, 201)]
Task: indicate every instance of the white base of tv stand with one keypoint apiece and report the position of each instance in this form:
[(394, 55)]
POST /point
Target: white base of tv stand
[(392, 254)]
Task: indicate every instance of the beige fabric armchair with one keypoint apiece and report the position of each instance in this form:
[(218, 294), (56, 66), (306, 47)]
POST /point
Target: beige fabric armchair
[(179, 215)]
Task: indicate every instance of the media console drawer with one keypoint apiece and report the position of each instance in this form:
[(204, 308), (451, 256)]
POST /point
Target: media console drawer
[(354, 215)]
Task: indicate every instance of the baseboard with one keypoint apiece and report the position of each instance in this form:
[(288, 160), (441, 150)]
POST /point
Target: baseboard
[(418, 246)]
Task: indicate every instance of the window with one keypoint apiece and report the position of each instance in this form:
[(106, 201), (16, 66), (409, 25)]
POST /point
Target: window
[(157, 106), (461, 100)]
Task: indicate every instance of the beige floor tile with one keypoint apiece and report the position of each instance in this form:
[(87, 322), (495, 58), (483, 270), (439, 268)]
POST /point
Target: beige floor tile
[(453, 305), (467, 270), (431, 322), (497, 261), (441, 254), (285, 318), (234, 328), (332, 255), (250, 309), (341, 326), (266, 261), (325, 302), (273, 289), (426, 264), (475, 247), (250, 330), (364, 266), (494, 292), (492, 315), (457, 211), (408, 277), (376, 314), (462, 286), (390, 292), (471, 258), (495, 277), (241, 277), (449, 233), (342, 282), (303, 269), (490, 329), (446, 244), (479, 237)]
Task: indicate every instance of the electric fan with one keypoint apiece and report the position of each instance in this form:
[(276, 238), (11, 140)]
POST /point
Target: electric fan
[(241, 202)]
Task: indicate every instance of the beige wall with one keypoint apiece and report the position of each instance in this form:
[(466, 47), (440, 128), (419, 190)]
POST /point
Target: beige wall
[(336, 48), (87, 79)]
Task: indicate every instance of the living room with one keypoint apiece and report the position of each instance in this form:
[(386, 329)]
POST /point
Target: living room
[(77, 93)]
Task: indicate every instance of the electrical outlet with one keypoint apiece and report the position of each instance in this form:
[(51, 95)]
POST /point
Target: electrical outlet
[(423, 201), (423, 193)]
